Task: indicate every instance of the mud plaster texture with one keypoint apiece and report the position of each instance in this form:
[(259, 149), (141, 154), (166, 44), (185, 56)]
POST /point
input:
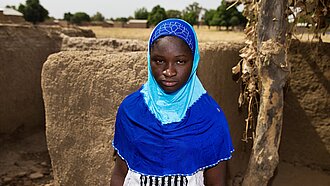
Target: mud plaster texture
[(23, 50), (306, 125), (82, 91), (214, 71), (106, 44)]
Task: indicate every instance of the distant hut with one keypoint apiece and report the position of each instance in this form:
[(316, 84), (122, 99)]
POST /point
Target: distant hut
[(119, 24), (137, 23), (108, 23), (9, 15)]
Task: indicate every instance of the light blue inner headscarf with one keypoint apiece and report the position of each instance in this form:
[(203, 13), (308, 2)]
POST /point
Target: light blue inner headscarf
[(170, 108)]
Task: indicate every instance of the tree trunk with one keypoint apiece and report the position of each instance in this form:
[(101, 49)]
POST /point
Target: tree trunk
[(273, 73)]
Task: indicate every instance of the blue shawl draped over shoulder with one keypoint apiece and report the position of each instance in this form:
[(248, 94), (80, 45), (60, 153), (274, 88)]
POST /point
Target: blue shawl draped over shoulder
[(180, 133)]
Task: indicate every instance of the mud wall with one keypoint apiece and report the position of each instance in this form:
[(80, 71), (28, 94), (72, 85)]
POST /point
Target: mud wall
[(217, 59), (306, 125), (83, 89), (23, 50)]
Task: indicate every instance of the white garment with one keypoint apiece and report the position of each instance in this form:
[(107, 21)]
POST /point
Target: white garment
[(136, 179)]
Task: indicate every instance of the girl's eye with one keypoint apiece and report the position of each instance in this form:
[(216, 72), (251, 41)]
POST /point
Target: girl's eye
[(181, 62), (159, 62)]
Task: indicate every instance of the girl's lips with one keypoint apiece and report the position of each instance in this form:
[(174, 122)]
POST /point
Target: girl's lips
[(169, 83)]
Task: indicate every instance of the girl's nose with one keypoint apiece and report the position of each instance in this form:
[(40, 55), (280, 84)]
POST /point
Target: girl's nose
[(170, 71)]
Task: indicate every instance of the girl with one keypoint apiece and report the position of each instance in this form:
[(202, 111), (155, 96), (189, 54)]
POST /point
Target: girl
[(170, 131)]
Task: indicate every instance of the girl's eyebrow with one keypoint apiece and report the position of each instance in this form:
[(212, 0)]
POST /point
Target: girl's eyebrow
[(156, 55), (181, 55)]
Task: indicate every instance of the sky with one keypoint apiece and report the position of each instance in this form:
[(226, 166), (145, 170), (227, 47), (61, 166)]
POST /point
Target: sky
[(110, 9)]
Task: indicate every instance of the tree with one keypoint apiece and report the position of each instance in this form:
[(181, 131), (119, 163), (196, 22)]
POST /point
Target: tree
[(33, 11), (68, 16), (173, 14), (234, 21), (97, 17), (227, 17), (265, 74), (156, 15), (191, 13), (208, 16), (11, 6), (141, 13), (266, 71), (190, 17), (21, 8), (80, 17), (121, 19)]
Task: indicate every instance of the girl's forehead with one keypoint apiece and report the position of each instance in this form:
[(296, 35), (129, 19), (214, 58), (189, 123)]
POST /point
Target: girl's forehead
[(171, 40)]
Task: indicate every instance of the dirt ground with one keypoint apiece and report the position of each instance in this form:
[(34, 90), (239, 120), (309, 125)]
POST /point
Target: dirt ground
[(204, 34), (25, 162), (24, 159)]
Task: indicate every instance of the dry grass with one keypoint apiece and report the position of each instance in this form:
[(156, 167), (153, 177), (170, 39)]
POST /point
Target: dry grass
[(204, 34)]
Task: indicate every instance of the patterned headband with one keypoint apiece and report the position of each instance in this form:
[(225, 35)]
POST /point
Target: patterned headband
[(174, 27)]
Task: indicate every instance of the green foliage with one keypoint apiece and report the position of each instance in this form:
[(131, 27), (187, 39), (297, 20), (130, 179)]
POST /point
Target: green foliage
[(173, 14), (33, 11), (141, 13), (208, 16), (11, 6), (21, 8), (227, 18), (195, 7), (191, 13), (121, 19), (67, 16), (234, 21), (97, 17), (190, 17), (156, 15), (80, 17)]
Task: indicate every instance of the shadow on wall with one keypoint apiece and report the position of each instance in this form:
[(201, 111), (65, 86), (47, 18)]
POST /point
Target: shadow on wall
[(306, 130), (217, 60), (301, 144), (23, 50)]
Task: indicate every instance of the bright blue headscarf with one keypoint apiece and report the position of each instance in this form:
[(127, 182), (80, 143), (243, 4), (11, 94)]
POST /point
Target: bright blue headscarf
[(196, 134), (169, 108)]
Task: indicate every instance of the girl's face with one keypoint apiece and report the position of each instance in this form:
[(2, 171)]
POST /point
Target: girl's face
[(171, 61)]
